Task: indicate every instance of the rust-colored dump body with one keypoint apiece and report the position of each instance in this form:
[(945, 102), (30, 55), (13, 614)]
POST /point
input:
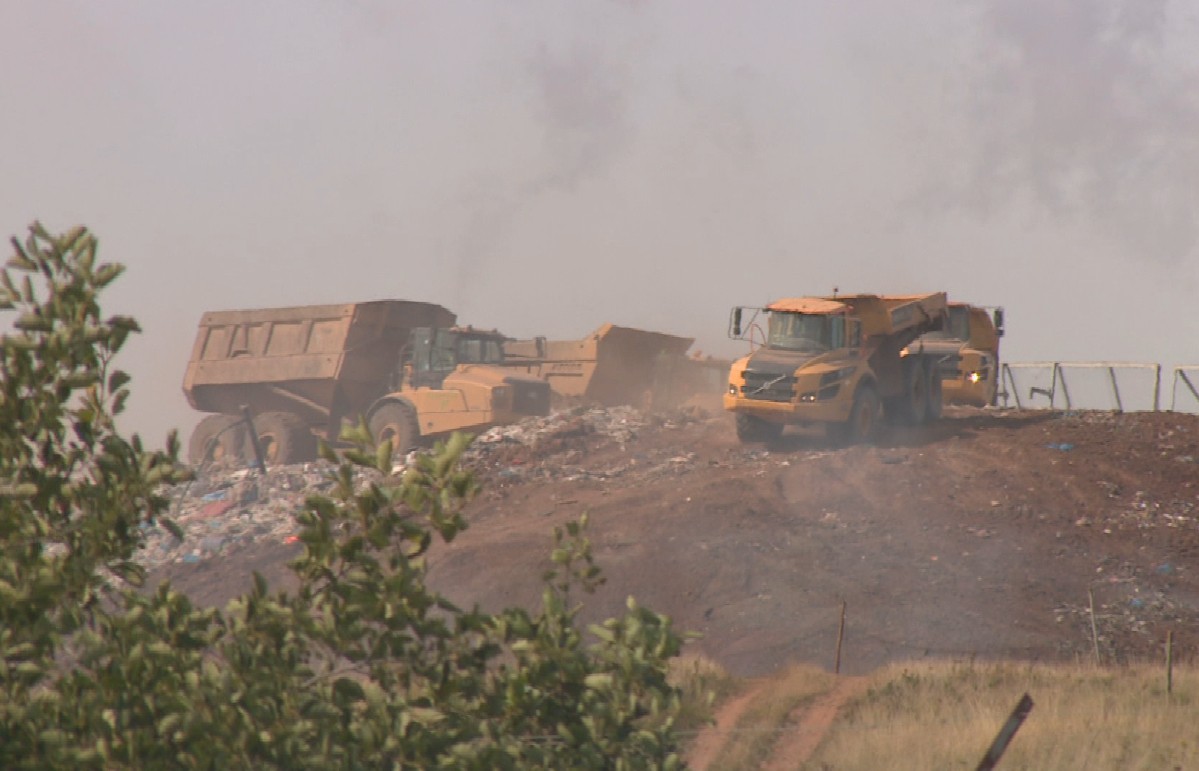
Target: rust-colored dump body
[(322, 362), (613, 365)]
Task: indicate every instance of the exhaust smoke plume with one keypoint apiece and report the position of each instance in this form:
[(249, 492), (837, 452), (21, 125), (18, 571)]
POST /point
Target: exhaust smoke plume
[(1092, 110), (577, 97)]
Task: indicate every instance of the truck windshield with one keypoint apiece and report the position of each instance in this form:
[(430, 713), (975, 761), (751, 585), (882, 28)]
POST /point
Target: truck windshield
[(480, 350), (440, 350), (957, 327), (805, 332)]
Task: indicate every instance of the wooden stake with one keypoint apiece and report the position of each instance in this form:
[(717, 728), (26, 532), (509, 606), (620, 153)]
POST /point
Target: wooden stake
[(999, 746), (1170, 661), (840, 638), (1094, 628)]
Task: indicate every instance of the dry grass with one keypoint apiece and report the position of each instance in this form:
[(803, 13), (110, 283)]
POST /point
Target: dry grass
[(758, 729), (703, 683), (944, 716)]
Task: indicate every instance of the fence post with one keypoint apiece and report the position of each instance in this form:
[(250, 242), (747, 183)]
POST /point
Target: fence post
[(1170, 661), (1157, 388), (1014, 721), (840, 638), (1111, 373), (1013, 390), (1061, 373), (1179, 372)]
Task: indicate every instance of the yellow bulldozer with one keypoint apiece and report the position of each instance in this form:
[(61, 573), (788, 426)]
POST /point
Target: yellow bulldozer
[(617, 365), (840, 361), (297, 373)]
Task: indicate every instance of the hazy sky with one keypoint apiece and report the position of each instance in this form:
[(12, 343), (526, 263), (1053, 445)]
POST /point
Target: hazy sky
[(544, 167)]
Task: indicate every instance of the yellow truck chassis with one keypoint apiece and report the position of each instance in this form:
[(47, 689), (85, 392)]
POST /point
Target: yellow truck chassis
[(838, 361)]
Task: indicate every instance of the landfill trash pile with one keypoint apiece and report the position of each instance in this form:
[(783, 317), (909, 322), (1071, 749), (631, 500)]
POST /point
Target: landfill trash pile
[(1139, 600), (618, 423), (607, 445), (226, 507), (564, 446)]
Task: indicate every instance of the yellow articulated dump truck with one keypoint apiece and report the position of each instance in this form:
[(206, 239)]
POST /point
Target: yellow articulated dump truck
[(969, 349), (617, 365), (301, 371), (837, 361)]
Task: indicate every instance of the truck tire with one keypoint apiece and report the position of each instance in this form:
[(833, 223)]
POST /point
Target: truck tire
[(216, 438), (754, 429), (913, 403), (863, 417), (936, 397), (396, 422), (284, 438)]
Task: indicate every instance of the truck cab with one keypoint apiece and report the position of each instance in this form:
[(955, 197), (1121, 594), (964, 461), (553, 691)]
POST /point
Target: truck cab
[(436, 353)]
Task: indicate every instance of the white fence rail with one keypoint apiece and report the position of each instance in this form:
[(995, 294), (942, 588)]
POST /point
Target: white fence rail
[(1105, 385)]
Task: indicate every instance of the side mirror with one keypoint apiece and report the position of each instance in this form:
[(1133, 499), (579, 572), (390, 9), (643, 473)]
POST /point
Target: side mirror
[(736, 325), (998, 315)]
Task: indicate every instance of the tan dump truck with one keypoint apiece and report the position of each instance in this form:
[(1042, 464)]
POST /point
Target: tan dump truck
[(835, 361), (617, 365), (968, 347), (302, 371)]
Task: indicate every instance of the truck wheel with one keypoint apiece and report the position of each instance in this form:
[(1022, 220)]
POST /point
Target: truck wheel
[(936, 396), (863, 417), (284, 438), (216, 438), (754, 429), (914, 402), (396, 423)]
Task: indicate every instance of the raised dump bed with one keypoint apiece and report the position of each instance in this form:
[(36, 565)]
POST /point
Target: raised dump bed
[(317, 364)]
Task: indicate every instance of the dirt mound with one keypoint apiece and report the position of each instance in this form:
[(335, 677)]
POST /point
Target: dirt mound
[(979, 536)]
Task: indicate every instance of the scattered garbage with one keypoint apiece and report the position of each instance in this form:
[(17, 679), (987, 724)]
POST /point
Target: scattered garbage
[(226, 508), (1062, 446)]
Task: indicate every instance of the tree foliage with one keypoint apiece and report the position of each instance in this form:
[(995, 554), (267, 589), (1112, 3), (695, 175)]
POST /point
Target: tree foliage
[(363, 666)]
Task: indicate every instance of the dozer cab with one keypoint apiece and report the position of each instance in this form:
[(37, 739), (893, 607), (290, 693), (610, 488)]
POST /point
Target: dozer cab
[(968, 347), (303, 371), (839, 361)]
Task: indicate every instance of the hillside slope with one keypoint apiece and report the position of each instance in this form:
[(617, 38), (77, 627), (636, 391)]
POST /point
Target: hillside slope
[(980, 536)]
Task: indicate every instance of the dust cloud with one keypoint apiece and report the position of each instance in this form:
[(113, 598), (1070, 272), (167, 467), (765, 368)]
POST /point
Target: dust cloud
[(545, 167)]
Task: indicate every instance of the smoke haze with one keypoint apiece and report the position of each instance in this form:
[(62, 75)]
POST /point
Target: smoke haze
[(544, 167)]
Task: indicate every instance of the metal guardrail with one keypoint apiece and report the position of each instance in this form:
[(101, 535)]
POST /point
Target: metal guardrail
[(1058, 380)]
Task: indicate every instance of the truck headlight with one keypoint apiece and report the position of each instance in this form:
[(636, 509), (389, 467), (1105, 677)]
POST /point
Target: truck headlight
[(732, 390), (828, 378), (974, 377)]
